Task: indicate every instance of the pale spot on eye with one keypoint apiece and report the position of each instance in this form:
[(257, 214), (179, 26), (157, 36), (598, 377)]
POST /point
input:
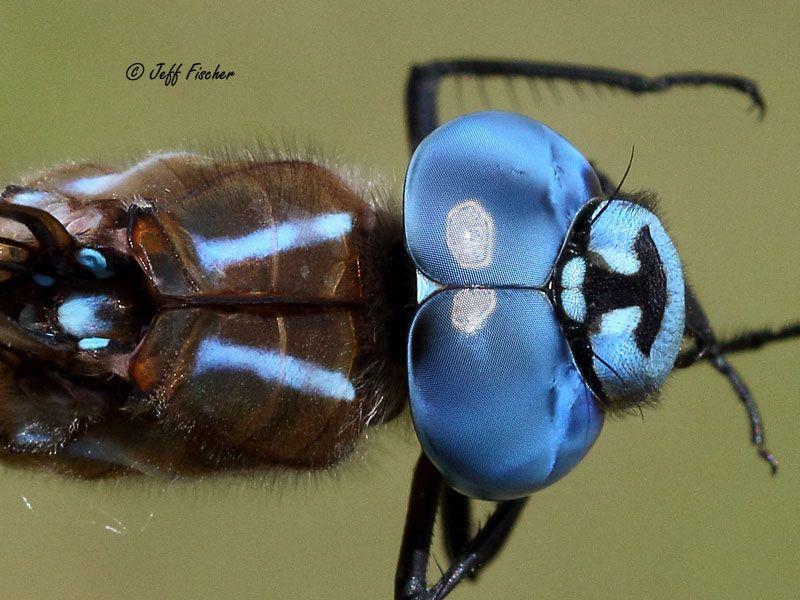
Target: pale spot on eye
[(472, 308), (469, 232)]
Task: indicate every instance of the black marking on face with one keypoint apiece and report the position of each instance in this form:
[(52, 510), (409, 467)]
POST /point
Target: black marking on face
[(606, 290)]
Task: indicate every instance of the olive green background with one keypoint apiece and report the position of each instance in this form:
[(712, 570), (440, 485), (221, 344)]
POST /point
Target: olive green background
[(673, 506)]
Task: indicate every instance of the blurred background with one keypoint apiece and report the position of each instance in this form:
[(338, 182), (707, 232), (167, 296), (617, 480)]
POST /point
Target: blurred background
[(676, 505)]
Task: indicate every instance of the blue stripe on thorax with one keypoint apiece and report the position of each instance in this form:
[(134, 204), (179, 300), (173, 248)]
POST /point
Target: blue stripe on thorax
[(271, 366), (221, 252)]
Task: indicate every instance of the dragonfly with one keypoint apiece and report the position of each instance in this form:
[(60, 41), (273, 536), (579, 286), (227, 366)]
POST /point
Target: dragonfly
[(195, 314)]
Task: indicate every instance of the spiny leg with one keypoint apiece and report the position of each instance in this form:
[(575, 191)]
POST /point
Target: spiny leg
[(750, 340), (410, 579), (753, 414), (483, 547), (707, 347), (423, 85), (456, 517), (756, 338)]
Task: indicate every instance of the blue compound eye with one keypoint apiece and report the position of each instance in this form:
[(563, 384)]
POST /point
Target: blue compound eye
[(489, 198), (619, 285), (497, 400)]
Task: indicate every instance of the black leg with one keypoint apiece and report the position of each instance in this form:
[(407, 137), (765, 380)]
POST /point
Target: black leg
[(483, 547), (456, 517), (749, 403), (756, 338), (707, 347), (423, 84), (411, 580), (697, 329), (456, 512)]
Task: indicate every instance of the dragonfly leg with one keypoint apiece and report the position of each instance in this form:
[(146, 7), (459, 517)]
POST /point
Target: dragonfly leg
[(756, 338), (698, 329), (746, 397), (410, 580), (423, 84), (707, 347), (456, 516)]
